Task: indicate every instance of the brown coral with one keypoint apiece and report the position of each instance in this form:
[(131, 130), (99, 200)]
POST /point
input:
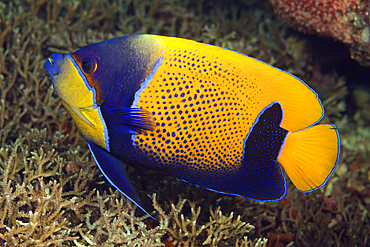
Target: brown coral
[(42, 205), (346, 21)]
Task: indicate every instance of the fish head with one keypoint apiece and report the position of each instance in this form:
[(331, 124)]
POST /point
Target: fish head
[(71, 86), (116, 68), (77, 95), (109, 72), (83, 80)]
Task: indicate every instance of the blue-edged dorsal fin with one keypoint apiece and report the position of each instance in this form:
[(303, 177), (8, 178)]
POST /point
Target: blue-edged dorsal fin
[(128, 120), (261, 149), (115, 172)]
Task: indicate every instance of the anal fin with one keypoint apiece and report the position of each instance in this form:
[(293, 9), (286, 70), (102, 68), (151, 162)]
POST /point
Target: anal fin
[(115, 172)]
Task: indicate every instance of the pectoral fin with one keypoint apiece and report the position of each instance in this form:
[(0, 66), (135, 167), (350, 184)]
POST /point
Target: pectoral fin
[(115, 172), (128, 120)]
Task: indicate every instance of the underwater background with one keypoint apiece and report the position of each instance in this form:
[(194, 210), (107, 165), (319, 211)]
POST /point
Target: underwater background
[(51, 191)]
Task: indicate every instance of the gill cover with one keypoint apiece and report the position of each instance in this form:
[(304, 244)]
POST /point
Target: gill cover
[(70, 86), (77, 97)]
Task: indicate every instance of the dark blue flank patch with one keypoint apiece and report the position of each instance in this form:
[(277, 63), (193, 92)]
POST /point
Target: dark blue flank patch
[(260, 177), (128, 120), (263, 174), (116, 173)]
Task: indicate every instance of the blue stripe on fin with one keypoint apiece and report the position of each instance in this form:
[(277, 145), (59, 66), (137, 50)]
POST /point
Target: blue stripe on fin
[(128, 120), (115, 172)]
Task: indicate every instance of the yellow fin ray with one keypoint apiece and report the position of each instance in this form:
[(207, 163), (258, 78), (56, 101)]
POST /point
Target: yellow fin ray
[(309, 156)]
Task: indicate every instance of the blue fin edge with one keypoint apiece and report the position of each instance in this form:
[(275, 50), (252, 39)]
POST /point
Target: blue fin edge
[(115, 172)]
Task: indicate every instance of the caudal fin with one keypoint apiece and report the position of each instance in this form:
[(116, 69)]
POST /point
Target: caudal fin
[(310, 156)]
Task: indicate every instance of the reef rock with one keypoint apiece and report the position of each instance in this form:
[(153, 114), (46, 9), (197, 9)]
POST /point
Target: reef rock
[(346, 21)]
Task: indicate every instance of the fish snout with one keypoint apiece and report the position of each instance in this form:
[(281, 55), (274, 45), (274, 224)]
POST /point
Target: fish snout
[(53, 64)]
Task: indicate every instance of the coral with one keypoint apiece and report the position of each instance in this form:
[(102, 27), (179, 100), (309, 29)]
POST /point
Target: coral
[(32, 211), (119, 224), (45, 165), (27, 98), (42, 205), (320, 218), (36, 199), (325, 17), (218, 228), (346, 21)]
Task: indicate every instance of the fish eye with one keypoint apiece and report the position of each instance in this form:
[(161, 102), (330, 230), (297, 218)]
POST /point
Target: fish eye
[(88, 65)]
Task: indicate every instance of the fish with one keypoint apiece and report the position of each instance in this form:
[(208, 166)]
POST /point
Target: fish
[(208, 115)]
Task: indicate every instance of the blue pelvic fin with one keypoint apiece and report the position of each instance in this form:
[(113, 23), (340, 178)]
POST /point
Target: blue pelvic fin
[(128, 120), (264, 175), (115, 172)]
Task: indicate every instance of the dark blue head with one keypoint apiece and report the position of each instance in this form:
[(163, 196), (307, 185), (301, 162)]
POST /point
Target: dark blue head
[(116, 67)]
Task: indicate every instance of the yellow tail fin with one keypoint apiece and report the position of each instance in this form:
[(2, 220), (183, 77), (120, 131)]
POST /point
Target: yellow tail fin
[(310, 156)]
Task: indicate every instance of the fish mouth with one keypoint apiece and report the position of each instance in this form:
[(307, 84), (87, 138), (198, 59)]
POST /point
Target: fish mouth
[(52, 65)]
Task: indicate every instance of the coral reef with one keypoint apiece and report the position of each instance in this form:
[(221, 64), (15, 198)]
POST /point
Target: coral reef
[(41, 205), (325, 17), (346, 21), (52, 193)]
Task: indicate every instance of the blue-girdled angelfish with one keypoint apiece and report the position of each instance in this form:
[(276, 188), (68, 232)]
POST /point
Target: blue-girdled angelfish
[(208, 115)]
